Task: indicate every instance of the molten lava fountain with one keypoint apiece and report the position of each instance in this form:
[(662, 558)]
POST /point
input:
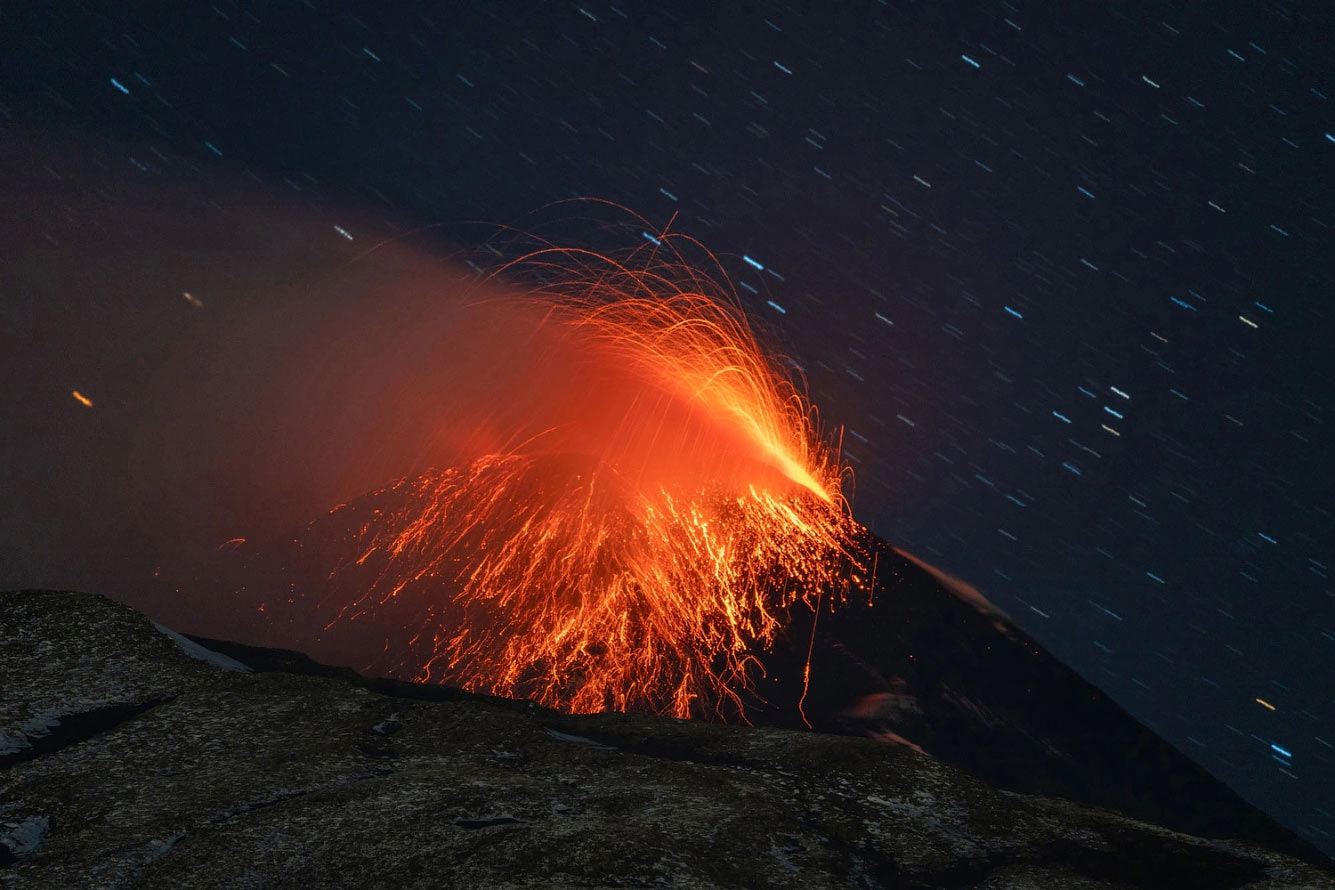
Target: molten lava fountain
[(654, 497)]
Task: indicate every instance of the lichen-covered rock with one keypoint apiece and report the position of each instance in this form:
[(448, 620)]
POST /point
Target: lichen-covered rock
[(74, 663), (206, 777)]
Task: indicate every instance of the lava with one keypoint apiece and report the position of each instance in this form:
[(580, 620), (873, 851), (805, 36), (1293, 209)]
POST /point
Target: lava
[(660, 497)]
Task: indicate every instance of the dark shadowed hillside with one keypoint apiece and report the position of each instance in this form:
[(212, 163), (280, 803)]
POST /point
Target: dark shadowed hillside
[(922, 661), (133, 758)]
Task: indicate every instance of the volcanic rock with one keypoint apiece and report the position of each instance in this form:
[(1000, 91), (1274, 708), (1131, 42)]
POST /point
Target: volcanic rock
[(130, 760), (910, 657)]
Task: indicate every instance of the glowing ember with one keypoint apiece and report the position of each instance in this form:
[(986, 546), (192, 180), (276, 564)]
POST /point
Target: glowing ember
[(662, 500)]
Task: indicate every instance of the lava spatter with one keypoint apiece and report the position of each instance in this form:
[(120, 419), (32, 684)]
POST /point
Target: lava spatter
[(638, 541)]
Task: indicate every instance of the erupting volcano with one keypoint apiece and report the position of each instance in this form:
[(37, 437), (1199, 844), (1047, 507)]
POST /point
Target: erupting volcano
[(628, 518)]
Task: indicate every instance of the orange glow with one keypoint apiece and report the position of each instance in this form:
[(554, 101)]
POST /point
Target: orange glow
[(83, 399), (662, 498)]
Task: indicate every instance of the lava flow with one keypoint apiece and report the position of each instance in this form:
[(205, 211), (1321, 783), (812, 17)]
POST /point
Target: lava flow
[(655, 496)]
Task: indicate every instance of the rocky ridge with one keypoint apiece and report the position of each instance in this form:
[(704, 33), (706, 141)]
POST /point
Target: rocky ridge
[(126, 761)]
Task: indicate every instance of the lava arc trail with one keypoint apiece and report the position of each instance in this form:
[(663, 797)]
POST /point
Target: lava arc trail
[(655, 496)]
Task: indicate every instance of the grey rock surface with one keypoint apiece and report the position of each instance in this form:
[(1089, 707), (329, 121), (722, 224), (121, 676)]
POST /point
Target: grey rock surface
[(128, 763)]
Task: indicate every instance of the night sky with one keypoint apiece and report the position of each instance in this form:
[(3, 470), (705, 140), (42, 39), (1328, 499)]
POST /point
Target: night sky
[(1063, 275)]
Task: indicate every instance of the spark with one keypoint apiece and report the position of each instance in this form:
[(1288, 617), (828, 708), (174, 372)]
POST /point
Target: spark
[(82, 399), (643, 551)]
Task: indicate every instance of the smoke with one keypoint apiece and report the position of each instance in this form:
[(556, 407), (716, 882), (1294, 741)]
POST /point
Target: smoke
[(248, 364), (252, 364), (336, 386), (628, 494)]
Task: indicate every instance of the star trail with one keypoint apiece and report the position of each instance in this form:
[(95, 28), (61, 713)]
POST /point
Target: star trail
[(1062, 274)]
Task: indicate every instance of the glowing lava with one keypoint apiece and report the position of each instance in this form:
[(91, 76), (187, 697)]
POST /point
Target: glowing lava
[(662, 498)]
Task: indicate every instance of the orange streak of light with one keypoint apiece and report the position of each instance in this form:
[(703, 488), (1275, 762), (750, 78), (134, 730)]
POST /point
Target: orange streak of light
[(83, 399), (640, 549), (806, 668)]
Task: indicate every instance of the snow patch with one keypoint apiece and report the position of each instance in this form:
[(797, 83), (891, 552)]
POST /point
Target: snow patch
[(161, 847), (32, 728), (961, 589), (11, 744), (22, 838), (194, 650), (577, 739)]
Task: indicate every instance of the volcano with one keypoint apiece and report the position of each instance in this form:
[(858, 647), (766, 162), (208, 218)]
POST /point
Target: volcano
[(909, 656), (546, 577)]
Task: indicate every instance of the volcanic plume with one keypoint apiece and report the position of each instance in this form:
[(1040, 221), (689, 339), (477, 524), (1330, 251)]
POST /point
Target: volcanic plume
[(638, 495), (632, 508)]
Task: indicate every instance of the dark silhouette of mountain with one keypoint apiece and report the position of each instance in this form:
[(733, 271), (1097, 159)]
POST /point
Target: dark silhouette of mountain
[(931, 663), (134, 757), (923, 662)]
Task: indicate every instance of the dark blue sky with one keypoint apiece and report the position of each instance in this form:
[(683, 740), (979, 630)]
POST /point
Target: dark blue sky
[(1063, 275)]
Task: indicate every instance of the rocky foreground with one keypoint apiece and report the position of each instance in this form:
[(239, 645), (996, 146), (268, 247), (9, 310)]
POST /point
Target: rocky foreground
[(130, 757)]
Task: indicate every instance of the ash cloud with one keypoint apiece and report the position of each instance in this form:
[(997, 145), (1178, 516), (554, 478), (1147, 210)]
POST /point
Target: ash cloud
[(248, 365)]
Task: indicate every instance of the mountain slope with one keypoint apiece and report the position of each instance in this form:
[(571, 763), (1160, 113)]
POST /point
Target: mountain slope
[(201, 776), (919, 660)]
